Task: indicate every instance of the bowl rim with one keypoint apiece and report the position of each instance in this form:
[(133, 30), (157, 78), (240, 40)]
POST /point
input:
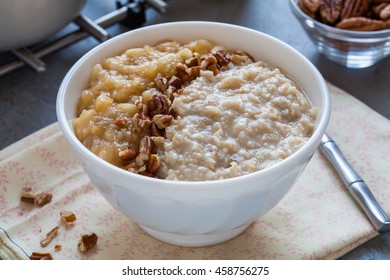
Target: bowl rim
[(304, 150), (349, 33)]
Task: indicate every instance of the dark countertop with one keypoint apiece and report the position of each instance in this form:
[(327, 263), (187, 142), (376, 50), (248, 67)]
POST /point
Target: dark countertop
[(27, 98)]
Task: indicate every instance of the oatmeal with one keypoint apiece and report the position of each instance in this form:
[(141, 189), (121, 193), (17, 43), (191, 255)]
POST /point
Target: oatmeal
[(235, 123), (191, 112)]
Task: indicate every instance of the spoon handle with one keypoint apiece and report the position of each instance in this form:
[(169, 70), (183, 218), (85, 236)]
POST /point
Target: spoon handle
[(355, 184)]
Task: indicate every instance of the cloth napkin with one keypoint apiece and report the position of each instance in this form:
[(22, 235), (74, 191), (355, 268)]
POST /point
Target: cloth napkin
[(317, 219)]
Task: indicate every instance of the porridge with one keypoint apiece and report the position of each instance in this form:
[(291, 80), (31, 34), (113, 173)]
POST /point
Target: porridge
[(192, 112)]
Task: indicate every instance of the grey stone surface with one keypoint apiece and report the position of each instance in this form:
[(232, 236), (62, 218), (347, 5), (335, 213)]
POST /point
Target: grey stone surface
[(27, 98)]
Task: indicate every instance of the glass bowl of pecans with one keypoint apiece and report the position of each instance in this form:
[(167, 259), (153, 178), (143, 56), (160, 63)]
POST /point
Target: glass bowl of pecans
[(352, 33), (193, 130)]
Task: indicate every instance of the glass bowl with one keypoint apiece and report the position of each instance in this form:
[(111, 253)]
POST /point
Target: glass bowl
[(353, 49)]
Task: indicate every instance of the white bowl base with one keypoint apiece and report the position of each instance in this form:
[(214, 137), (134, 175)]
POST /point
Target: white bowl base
[(197, 240)]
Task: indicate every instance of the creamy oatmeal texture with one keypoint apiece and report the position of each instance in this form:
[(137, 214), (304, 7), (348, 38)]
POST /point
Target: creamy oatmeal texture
[(192, 112)]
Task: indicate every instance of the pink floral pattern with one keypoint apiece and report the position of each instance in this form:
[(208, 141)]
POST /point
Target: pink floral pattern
[(318, 219)]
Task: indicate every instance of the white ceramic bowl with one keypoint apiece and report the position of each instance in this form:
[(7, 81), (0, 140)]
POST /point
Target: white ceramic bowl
[(195, 213)]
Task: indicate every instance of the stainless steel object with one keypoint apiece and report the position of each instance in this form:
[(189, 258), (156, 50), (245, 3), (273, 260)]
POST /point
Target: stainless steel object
[(26, 22), (130, 14), (159, 5), (355, 185)]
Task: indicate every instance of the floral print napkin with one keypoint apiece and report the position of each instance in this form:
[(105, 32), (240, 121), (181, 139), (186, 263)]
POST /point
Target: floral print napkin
[(317, 219)]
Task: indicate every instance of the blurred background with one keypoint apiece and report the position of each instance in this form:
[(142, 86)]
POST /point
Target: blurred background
[(29, 84)]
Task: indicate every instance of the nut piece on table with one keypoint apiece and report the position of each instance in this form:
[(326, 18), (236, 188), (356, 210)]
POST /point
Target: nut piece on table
[(43, 198), (38, 256), (50, 236), (27, 195), (67, 217), (87, 242)]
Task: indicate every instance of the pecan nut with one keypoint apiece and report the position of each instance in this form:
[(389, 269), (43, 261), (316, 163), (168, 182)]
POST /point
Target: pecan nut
[(223, 58), (67, 217), (162, 121), (330, 10), (309, 7), (121, 122), (140, 123), (50, 236), (145, 149), (127, 154), (27, 195), (354, 8), (159, 103), (153, 164), (43, 198), (38, 256), (160, 82), (361, 24), (87, 242), (385, 13)]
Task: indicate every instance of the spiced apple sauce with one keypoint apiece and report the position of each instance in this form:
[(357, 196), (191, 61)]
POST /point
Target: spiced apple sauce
[(195, 111)]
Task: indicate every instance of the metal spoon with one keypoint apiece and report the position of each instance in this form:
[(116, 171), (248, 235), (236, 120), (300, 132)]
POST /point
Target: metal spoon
[(355, 185)]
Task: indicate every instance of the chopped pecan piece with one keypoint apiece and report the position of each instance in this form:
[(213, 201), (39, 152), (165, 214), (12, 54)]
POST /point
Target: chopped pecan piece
[(132, 167), (38, 256), (127, 154), (175, 82), (158, 140), (193, 61), (207, 60), (121, 122), (67, 217), (162, 121), (50, 236), (155, 131), (195, 71), (146, 173), (241, 58), (153, 164), (43, 198), (140, 123), (87, 242), (213, 68), (182, 71), (57, 247), (222, 57), (145, 149), (27, 195), (160, 82), (159, 103), (143, 109)]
